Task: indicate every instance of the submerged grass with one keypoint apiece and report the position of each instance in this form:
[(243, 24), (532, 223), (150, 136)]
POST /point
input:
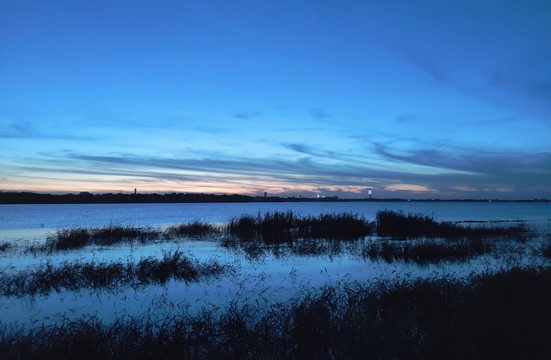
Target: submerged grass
[(427, 251), (502, 316), (399, 225), (77, 275)]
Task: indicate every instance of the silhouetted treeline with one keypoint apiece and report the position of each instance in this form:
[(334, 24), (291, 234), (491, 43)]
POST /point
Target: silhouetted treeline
[(113, 198), (119, 198)]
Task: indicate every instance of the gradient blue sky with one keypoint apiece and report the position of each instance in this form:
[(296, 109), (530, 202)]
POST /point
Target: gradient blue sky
[(420, 99)]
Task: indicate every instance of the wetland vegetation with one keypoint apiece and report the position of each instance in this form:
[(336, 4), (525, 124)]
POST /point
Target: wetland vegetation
[(397, 224), (76, 275), (504, 315), (281, 227), (75, 238), (499, 313), (278, 231)]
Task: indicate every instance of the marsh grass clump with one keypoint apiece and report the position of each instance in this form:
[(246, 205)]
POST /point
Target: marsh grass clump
[(284, 233), (276, 227), (65, 239), (77, 275), (195, 229), (117, 233), (5, 246), (398, 225), (283, 227), (245, 227), (345, 226), (173, 265), (504, 316)]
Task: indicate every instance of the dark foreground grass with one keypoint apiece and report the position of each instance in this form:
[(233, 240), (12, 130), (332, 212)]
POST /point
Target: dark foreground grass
[(501, 316), (280, 227), (546, 251), (78, 275), (403, 226)]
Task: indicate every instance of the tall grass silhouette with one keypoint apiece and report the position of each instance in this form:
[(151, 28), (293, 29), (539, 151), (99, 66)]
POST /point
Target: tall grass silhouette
[(281, 227), (75, 238), (504, 315), (76, 275), (400, 225), (65, 239)]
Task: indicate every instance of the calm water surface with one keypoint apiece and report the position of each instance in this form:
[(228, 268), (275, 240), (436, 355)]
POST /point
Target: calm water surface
[(32, 222), (258, 282)]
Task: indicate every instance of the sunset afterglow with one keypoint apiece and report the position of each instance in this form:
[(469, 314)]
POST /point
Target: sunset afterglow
[(411, 99)]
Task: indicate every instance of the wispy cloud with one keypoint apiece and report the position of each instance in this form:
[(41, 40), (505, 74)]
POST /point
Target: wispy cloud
[(517, 169), (319, 113), (413, 188), (486, 174), (424, 64), (210, 129), (491, 122), (310, 150), (16, 129), (405, 118), (247, 115)]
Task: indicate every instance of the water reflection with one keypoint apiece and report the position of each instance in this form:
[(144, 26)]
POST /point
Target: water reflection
[(263, 276)]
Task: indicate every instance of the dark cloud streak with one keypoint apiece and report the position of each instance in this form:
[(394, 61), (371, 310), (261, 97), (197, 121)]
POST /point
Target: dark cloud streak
[(481, 170)]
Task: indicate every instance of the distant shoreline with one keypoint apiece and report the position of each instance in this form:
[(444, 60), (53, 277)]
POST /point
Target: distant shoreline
[(137, 198)]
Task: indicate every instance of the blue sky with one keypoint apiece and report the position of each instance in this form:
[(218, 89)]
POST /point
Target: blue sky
[(420, 99)]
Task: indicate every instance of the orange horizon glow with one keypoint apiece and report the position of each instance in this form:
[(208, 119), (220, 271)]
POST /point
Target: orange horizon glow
[(241, 187)]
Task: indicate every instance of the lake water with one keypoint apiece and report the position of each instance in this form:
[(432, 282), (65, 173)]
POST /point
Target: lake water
[(258, 282), (32, 222)]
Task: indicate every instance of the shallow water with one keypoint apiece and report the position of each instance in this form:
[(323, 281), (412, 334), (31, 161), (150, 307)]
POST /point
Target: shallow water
[(259, 282), (33, 222)]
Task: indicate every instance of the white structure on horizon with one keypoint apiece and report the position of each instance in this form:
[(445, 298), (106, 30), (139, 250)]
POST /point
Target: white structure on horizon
[(369, 192)]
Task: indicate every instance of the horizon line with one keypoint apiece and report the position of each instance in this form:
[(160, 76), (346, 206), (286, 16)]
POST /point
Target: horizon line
[(262, 196)]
